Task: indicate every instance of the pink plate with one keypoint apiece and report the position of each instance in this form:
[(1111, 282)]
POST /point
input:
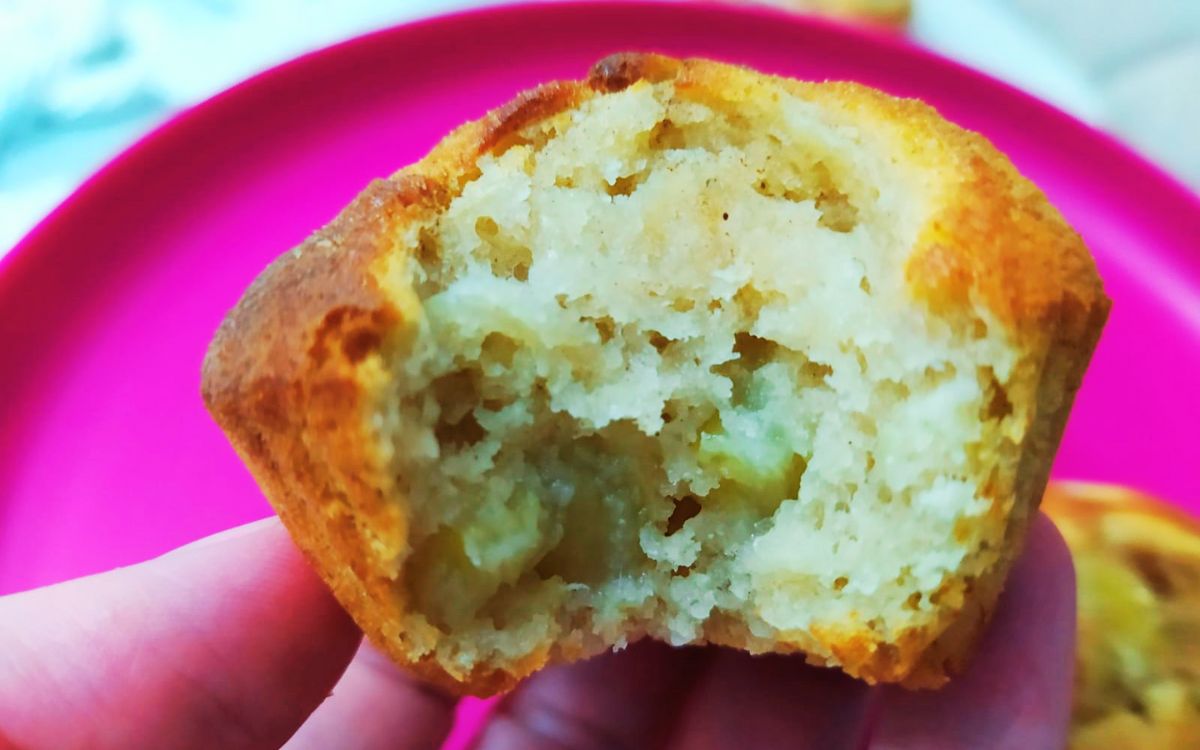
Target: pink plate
[(106, 454)]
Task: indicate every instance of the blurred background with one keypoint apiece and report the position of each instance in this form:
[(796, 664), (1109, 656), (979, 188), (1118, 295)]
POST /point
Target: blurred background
[(82, 79)]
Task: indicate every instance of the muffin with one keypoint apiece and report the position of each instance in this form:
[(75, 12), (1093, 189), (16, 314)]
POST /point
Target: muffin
[(679, 351), (888, 12), (1137, 567)]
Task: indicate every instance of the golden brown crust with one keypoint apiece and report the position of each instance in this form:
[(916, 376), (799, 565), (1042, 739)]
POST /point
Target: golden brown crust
[(1014, 251), (1066, 359), (284, 374), (620, 71), (278, 378), (503, 126)]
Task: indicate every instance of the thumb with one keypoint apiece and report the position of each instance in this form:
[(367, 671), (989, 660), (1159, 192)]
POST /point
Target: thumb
[(229, 642)]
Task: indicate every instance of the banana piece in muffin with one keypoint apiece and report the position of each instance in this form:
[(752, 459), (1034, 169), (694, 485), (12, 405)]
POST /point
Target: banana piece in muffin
[(679, 351)]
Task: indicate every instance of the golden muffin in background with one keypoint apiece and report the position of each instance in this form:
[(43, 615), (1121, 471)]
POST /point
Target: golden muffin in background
[(1137, 564), (889, 12)]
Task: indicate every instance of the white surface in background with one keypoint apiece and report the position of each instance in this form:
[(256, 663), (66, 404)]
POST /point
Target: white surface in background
[(992, 36), (81, 79)]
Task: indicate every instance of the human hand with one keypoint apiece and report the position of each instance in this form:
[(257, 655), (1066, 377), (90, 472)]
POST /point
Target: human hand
[(233, 642)]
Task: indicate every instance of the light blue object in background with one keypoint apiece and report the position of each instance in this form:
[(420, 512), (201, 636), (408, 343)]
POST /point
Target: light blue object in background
[(81, 79)]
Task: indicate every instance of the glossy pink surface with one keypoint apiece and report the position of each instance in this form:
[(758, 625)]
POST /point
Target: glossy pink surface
[(106, 453)]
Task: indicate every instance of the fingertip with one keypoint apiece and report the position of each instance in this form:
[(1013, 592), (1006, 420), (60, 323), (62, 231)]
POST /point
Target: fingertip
[(260, 567), (628, 698), (231, 641), (1047, 562), (1032, 635), (267, 528), (1016, 693), (282, 639), (386, 707), (773, 700)]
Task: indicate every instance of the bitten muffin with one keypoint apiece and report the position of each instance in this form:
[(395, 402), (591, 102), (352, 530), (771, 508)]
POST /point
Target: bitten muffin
[(1137, 568), (681, 351)]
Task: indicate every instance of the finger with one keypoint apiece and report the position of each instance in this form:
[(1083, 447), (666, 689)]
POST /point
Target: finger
[(230, 642), (1016, 695), (377, 706), (619, 700), (766, 702)]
